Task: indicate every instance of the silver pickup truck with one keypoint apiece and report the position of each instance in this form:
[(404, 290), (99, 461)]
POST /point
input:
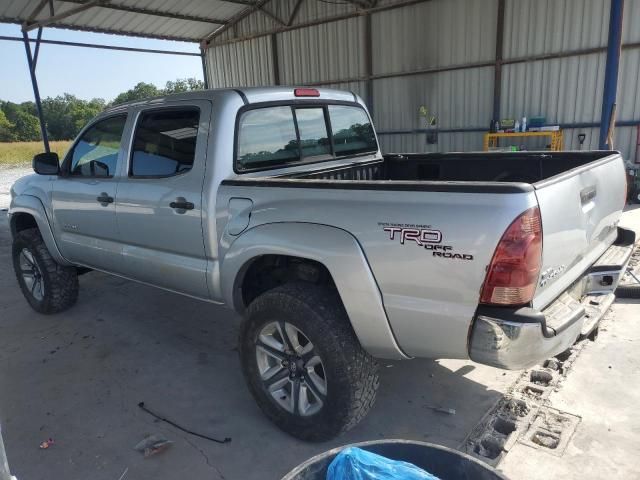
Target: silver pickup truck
[(278, 203)]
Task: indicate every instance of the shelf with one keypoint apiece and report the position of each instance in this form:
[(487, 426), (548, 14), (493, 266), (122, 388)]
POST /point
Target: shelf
[(492, 139)]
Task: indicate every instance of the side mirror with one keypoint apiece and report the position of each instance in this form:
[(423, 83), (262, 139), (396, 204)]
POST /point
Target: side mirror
[(46, 163)]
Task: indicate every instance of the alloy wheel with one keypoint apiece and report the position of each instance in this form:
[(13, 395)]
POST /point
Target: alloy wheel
[(31, 274), (291, 369)]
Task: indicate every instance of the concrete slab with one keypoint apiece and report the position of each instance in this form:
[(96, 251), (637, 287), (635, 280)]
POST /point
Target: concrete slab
[(8, 175), (77, 377), (603, 388)]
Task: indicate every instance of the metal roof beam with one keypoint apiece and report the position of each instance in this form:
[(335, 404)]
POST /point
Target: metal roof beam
[(240, 2), (36, 11), (254, 6), (156, 13), (60, 16), (128, 33), (273, 16), (294, 13), (102, 47), (311, 23), (360, 3)]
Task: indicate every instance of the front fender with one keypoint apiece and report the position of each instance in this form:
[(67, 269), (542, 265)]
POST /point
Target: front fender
[(340, 253), (30, 205)]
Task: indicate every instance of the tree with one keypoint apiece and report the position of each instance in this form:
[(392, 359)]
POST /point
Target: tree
[(183, 85), (140, 91), (6, 129), (81, 112), (66, 114), (27, 127)]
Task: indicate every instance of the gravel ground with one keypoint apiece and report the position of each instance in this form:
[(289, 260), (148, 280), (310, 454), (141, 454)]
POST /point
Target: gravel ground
[(8, 175)]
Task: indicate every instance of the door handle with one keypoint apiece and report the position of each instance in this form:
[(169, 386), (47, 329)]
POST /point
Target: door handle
[(104, 198), (182, 204)]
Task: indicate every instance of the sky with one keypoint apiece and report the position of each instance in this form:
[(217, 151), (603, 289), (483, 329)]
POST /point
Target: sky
[(88, 72)]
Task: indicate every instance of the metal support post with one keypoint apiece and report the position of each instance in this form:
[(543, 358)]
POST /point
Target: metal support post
[(497, 78), (203, 54), (36, 91), (611, 70)]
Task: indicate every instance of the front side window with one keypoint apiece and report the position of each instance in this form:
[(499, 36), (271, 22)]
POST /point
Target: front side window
[(96, 153), (352, 130), (165, 142), (267, 138)]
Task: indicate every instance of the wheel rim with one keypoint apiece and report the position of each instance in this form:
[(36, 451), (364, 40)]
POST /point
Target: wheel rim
[(31, 274), (291, 369)]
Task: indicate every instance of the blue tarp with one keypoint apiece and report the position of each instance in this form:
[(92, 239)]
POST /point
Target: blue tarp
[(356, 464)]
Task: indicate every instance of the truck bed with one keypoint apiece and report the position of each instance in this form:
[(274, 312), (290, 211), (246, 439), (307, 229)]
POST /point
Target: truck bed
[(518, 167), (469, 199)]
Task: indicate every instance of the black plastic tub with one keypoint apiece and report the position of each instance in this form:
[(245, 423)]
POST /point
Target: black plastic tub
[(443, 462)]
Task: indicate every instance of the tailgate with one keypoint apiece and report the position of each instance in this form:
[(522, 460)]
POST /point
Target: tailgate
[(580, 210)]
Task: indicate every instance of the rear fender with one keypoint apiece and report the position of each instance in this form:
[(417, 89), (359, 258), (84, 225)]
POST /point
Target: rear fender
[(30, 205), (340, 253)]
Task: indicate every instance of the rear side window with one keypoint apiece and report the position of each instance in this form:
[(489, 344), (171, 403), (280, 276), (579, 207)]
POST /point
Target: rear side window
[(277, 136), (352, 130), (267, 138), (165, 142), (96, 153)]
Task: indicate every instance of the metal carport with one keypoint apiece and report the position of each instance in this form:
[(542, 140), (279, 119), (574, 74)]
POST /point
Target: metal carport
[(342, 43)]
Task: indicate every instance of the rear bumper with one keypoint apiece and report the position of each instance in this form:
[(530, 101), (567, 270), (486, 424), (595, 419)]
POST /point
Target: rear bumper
[(519, 338)]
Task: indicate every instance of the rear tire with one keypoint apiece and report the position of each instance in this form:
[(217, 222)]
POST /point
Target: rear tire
[(48, 286), (333, 394)]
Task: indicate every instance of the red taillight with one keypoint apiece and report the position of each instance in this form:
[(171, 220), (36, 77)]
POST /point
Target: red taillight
[(513, 273), (306, 92)]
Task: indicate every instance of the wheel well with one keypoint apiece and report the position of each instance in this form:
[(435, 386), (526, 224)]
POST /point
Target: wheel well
[(22, 221), (270, 271)]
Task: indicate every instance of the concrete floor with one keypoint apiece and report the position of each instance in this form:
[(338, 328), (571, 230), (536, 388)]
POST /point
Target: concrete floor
[(603, 389), (8, 175), (77, 377)]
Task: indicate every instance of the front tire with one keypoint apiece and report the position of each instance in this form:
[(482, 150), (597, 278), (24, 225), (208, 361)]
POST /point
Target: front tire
[(303, 362), (48, 286)]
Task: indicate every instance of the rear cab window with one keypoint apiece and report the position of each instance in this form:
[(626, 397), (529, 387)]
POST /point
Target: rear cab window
[(277, 136)]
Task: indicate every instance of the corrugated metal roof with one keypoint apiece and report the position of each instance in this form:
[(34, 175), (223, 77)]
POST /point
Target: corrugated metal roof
[(562, 89), (535, 27), (327, 52), (459, 99), (434, 34), (241, 64), (628, 101), (188, 21)]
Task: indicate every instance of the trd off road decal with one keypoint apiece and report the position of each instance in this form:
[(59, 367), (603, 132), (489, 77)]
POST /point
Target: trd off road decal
[(424, 236)]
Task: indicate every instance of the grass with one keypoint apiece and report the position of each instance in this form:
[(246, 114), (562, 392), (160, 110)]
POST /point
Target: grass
[(20, 154)]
